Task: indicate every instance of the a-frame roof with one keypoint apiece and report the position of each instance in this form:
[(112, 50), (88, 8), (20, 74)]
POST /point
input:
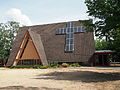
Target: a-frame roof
[(16, 45), (51, 46), (20, 36), (37, 42), (39, 46)]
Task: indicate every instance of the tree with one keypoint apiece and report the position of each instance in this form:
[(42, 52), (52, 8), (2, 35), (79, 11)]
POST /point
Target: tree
[(8, 32), (108, 13), (115, 44), (107, 25), (101, 44)]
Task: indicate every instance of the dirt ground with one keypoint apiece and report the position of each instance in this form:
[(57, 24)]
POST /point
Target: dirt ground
[(60, 79)]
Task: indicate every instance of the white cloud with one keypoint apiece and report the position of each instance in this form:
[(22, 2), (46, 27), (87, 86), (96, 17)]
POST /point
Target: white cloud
[(15, 14)]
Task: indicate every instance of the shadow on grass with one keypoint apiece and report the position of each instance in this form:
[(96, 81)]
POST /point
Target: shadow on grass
[(26, 88), (81, 76)]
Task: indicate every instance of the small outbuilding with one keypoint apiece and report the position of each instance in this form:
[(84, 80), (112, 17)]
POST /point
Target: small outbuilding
[(102, 57)]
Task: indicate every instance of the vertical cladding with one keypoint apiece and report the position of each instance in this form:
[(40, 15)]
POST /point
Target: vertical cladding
[(54, 44)]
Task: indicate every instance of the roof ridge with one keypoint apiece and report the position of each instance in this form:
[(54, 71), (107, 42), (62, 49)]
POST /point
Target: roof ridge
[(49, 24)]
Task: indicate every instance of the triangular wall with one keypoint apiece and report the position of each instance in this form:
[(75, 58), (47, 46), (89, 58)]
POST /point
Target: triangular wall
[(27, 50), (39, 46)]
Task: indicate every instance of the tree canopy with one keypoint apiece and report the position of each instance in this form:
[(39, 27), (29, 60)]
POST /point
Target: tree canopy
[(101, 44), (107, 13), (8, 32)]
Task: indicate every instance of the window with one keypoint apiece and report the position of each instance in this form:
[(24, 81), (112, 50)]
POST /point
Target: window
[(79, 29), (83, 29), (69, 32), (57, 31), (70, 24), (69, 47), (69, 42), (28, 62), (61, 31), (69, 35)]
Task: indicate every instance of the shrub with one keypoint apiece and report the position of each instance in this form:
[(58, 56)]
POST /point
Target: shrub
[(33, 66), (75, 65), (65, 64), (44, 67), (11, 66), (36, 66), (1, 65), (21, 67), (54, 64)]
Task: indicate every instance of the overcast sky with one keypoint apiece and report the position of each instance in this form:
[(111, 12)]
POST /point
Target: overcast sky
[(31, 12)]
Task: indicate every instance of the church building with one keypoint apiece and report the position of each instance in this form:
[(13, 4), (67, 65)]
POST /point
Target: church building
[(59, 42)]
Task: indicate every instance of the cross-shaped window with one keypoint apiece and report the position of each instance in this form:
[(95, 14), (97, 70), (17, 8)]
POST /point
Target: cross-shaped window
[(69, 31)]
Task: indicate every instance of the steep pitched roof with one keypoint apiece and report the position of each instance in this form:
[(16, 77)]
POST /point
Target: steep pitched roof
[(39, 46), (15, 47), (52, 45)]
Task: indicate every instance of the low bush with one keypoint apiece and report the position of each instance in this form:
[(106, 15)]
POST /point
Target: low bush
[(44, 67), (21, 66), (53, 64), (33, 66), (1, 65), (65, 65), (75, 65), (37, 66)]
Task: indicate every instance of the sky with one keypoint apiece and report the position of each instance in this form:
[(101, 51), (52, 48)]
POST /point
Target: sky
[(32, 12)]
